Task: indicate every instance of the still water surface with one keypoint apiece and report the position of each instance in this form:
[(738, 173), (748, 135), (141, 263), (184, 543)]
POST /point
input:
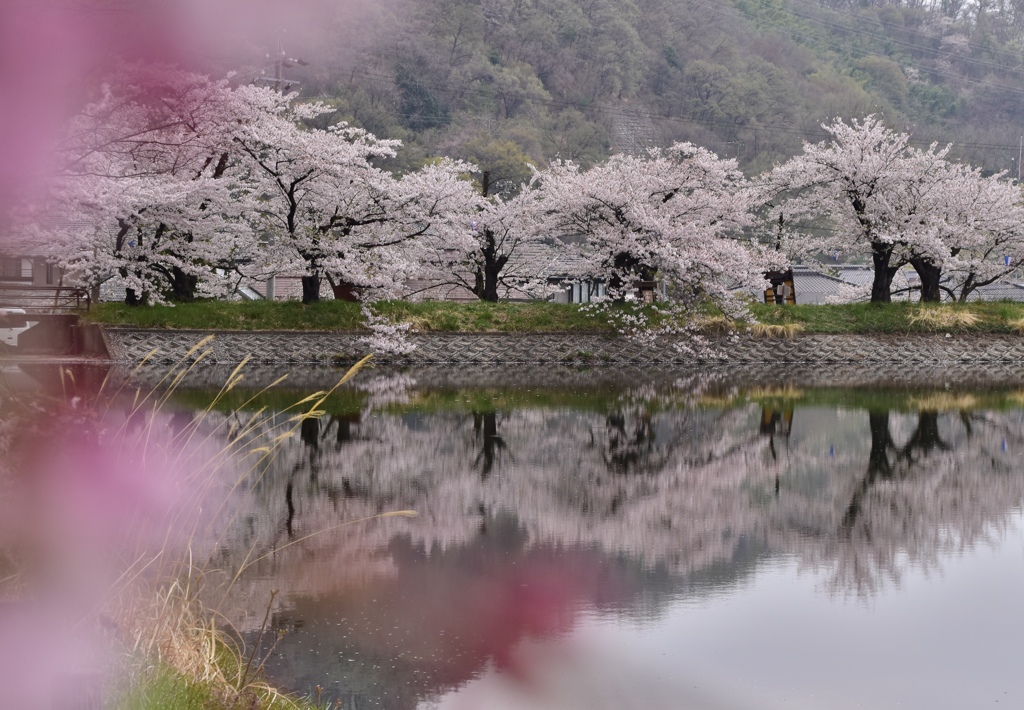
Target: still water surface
[(659, 545)]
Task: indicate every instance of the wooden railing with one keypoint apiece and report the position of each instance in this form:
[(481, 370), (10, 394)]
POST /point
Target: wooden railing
[(45, 299)]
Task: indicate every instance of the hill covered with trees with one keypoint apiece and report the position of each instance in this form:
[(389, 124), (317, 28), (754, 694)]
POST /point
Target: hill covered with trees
[(505, 82)]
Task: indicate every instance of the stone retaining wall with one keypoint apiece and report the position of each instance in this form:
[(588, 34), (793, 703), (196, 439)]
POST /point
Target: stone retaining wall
[(129, 346)]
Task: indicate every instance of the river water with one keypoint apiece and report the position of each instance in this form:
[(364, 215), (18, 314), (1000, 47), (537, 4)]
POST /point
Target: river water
[(595, 541), (600, 539)]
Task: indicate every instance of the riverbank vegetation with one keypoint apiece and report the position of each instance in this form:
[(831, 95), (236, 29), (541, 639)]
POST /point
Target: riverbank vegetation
[(545, 317), (115, 506), (183, 660), (991, 317)]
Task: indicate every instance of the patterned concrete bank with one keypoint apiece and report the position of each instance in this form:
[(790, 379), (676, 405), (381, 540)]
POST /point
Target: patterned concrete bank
[(130, 346)]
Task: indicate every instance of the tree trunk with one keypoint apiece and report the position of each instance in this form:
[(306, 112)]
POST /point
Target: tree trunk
[(930, 274), (131, 296), (925, 439), (879, 467), (134, 298), (970, 284), (485, 425), (183, 286), (345, 291), (486, 286), (635, 270), (881, 287), (490, 293), (310, 289)]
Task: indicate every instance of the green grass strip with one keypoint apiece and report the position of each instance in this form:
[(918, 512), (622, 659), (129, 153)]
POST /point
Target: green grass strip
[(545, 317), (897, 318), (440, 316)]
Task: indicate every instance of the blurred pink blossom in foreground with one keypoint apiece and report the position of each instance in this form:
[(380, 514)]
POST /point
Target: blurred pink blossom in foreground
[(94, 501), (51, 51)]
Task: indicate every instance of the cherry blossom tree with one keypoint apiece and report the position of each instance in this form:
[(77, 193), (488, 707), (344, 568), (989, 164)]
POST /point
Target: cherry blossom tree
[(327, 211), (146, 191), (674, 215), (504, 233), (985, 220), (865, 191), (962, 224)]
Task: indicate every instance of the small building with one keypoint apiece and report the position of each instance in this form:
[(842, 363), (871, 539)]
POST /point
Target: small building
[(17, 270), (35, 284), (843, 282)]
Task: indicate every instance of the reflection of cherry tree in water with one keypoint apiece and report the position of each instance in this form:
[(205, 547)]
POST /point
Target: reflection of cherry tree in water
[(630, 443), (561, 481), (935, 482), (485, 430), (314, 432), (889, 462), (699, 481), (776, 423)]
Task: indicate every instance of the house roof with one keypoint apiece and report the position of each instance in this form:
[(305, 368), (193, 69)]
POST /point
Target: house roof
[(810, 281), (813, 281), (999, 291), (538, 259)]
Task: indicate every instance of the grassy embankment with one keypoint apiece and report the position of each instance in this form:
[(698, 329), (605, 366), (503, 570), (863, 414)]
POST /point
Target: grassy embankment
[(441, 316), (543, 317)]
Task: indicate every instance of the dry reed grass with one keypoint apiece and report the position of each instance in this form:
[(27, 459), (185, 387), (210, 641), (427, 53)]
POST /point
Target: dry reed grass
[(168, 627), (945, 402), (714, 324), (715, 401), (944, 318), (786, 331), (786, 392), (163, 616)]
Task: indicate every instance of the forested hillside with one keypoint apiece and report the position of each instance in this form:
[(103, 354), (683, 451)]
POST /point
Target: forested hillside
[(503, 82)]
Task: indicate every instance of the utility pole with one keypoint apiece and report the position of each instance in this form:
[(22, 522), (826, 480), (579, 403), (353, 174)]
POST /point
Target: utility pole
[(281, 62)]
